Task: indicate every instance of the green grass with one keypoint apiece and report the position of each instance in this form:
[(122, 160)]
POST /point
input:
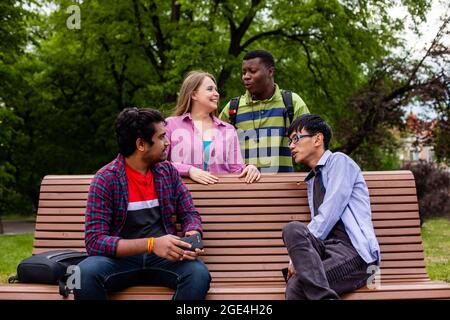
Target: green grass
[(435, 235), (13, 249), (18, 216), (436, 242)]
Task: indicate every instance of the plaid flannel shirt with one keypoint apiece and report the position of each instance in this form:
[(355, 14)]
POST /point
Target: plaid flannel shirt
[(107, 204)]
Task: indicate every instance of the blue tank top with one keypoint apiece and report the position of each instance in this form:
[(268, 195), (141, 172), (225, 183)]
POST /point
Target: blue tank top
[(206, 153)]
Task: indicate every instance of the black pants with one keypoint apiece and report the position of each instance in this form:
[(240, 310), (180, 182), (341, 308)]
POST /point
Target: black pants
[(324, 269)]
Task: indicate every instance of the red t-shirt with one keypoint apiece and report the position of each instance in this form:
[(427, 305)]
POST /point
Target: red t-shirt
[(143, 215)]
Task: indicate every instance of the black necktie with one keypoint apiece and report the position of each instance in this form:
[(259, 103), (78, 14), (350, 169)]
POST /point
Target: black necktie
[(318, 191)]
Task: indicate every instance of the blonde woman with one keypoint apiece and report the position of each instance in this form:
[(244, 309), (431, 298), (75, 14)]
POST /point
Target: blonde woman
[(200, 143)]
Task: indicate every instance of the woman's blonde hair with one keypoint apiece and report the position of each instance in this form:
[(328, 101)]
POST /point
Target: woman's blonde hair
[(190, 84)]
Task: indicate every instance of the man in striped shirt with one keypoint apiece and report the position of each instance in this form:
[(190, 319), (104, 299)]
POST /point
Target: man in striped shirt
[(261, 118), (129, 230)]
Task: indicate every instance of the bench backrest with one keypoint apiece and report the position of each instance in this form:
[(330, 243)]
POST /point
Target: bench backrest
[(243, 222)]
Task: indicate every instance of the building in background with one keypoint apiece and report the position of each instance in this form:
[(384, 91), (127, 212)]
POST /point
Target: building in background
[(416, 144)]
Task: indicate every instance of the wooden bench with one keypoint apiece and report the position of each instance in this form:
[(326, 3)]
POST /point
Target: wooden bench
[(243, 223)]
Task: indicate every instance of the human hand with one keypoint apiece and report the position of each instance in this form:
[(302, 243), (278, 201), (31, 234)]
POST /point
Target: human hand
[(192, 255), (251, 174), (168, 247), (291, 271), (201, 176)]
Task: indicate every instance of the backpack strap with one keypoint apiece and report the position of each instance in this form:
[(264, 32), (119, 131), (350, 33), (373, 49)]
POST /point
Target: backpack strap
[(232, 112), (63, 289), (13, 279), (287, 100), (288, 104), (62, 285)]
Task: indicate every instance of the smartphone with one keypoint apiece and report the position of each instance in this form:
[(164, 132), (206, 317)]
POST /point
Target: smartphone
[(195, 240)]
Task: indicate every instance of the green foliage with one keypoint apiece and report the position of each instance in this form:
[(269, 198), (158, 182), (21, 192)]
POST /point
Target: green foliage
[(441, 137), (8, 195), (68, 86), (13, 37), (380, 152), (433, 189)]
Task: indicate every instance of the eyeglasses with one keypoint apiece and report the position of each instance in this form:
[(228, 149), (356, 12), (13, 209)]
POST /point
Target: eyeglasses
[(295, 139)]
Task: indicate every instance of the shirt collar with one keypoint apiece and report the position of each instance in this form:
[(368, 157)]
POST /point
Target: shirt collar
[(215, 120), (186, 115), (137, 176), (322, 161), (275, 96)]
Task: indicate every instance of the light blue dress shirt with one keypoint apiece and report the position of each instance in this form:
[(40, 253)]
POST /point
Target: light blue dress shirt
[(346, 198)]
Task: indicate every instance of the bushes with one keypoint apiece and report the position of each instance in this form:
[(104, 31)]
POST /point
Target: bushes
[(433, 189)]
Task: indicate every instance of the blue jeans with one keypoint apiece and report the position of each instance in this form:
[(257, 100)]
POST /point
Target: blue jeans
[(100, 274)]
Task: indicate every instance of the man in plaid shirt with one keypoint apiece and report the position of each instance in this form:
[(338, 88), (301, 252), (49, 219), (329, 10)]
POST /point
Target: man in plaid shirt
[(129, 231)]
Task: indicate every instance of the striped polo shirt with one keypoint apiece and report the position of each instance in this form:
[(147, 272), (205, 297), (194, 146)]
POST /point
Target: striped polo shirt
[(143, 214), (261, 127)]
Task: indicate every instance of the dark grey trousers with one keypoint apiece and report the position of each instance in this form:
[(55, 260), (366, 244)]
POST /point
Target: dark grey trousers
[(324, 269)]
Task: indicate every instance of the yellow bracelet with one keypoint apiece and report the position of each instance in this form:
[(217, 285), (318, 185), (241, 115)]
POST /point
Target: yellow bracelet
[(150, 245)]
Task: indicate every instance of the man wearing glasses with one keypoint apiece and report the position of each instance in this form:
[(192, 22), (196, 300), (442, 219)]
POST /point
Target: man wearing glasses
[(332, 254)]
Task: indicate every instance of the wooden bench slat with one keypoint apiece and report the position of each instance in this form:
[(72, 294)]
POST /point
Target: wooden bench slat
[(391, 195), (399, 295), (217, 294), (206, 218), (241, 266), (377, 215), (66, 182), (227, 234), (294, 185), (289, 192), (396, 250), (397, 203), (266, 201), (300, 176), (406, 258), (275, 273), (60, 227), (229, 242), (386, 249), (81, 188), (391, 208), (68, 177), (280, 280)]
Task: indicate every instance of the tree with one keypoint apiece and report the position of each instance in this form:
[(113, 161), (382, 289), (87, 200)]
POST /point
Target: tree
[(13, 37), (433, 187), (73, 82), (394, 84)]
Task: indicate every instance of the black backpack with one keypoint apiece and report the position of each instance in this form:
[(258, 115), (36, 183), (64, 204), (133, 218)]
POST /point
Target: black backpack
[(48, 267), (287, 100)]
